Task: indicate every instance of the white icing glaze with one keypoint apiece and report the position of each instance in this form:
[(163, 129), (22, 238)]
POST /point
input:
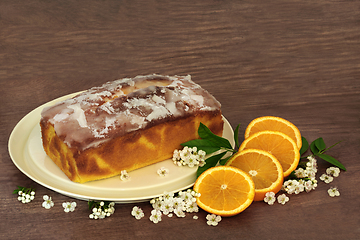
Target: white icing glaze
[(121, 106), (78, 115)]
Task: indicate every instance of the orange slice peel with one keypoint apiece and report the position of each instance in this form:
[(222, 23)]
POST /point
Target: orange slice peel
[(274, 124), (263, 168), (225, 190), (278, 144)]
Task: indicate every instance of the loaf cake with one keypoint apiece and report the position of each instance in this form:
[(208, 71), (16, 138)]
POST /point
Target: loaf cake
[(125, 125)]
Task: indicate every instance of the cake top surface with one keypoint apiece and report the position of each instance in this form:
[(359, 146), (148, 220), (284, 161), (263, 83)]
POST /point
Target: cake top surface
[(125, 105)]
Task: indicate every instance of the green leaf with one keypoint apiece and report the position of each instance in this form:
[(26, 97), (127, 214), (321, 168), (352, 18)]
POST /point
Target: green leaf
[(305, 146), (210, 162), (223, 161), (292, 175), (91, 204), (332, 146), (203, 144), (313, 148), (236, 136), (320, 144), (331, 160), (205, 133), (17, 190)]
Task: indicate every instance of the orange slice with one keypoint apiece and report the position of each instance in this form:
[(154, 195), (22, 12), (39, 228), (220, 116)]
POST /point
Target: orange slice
[(264, 169), (278, 144), (274, 124), (225, 191)]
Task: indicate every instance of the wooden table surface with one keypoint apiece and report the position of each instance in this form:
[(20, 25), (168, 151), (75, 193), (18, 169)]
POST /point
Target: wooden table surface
[(299, 60)]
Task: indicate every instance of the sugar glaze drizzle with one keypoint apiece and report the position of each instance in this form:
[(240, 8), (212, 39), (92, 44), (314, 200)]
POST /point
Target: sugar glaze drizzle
[(121, 106)]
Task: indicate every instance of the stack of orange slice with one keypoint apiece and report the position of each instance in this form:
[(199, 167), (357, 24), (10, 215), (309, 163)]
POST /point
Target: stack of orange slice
[(269, 153), (278, 137)]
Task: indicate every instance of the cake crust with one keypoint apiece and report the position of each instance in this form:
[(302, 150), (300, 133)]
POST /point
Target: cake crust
[(84, 154)]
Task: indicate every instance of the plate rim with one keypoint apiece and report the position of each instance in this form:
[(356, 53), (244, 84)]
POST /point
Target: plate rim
[(28, 172)]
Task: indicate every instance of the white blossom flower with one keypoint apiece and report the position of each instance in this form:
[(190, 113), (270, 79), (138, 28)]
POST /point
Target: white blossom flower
[(102, 211), (48, 203), (195, 217), (179, 212), (212, 219), (300, 173), (22, 198), (201, 162), (282, 199), (185, 153), (311, 167), (187, 196), (26, 196), (95, 213), (168, 195), (167, 206), (102, 214), (334, 171), (111, 207), (179, 204), (191, 207), (192, 161), (196, 194), (299, 188), (69, 206), (326, 178), (312, 163), (162, 172), (310, 185), (137, 212), (157, 204), (189, 156), (124, 175), (176, 155), (290, 186), (155, 216), (333, 192), (270, 198), (201, 154)]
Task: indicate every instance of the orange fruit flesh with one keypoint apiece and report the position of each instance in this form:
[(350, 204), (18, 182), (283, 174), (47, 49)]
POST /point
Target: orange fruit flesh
[(278, 144), (263, 168), (274, 124), (225, 191)]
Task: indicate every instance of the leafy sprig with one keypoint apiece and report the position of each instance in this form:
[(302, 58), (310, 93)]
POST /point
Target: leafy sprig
[(98, 204), (26, 195), (211, 143), (318, 148), (101, 209), (219, 147), (23, 190)]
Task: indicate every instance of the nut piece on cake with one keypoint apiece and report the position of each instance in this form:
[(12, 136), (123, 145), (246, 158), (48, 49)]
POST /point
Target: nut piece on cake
[(126, 124)]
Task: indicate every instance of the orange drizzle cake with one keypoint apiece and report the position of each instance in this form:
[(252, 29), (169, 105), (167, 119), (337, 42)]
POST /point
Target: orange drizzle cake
[(126, 124)]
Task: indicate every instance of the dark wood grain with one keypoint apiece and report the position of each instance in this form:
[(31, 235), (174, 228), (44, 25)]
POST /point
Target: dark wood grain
[(295, 59)]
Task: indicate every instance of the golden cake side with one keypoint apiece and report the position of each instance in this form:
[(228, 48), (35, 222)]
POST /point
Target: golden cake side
[(129, 152)]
